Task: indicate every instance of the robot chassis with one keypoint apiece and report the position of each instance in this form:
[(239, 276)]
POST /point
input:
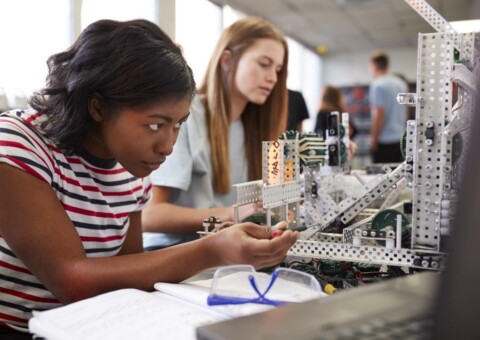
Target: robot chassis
[(432, 146)]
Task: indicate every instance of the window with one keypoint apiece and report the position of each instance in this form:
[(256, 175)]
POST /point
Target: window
[(304, 75), (231, 15), (198, 25), (93, 10), (311, 89), (31, 32)]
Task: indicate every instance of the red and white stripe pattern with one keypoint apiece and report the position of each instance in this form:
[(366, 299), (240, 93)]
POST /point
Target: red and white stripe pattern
[(98, 198)]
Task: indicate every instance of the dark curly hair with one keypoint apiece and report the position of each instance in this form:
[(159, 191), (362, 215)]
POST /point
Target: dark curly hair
[(131, 64)]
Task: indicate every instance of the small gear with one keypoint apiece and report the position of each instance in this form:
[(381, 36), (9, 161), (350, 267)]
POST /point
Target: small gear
[(291, 134), (403, 144), (343, 152), (261, 219), (388, 217)]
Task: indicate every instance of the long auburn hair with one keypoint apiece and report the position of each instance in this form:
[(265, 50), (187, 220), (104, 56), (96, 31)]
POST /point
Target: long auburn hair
[(332, 99), (261, 122)]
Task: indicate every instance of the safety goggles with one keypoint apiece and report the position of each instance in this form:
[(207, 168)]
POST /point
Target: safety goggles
[(239, 284)]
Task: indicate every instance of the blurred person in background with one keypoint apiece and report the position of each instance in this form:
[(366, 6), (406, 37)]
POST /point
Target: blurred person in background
[(388, 116), (333, 100)]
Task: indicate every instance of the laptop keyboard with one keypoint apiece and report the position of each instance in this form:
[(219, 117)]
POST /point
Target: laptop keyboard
[(418, 327)]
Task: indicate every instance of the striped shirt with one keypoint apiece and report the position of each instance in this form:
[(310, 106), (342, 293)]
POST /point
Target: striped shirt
[(98, 196)]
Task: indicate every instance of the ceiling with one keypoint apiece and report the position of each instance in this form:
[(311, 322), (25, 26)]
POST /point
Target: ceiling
[(344, 26)]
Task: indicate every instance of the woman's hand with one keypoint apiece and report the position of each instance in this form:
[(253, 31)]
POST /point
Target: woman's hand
[(249, 243), (250, 209)]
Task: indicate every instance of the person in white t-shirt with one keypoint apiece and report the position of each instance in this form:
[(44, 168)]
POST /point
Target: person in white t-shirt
[(241, 102)]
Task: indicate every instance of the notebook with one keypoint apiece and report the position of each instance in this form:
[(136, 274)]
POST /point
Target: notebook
[(173, 311), (422, 306)]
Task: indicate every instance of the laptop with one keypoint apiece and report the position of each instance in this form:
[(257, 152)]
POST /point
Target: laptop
[(362, 313), (426, 305)]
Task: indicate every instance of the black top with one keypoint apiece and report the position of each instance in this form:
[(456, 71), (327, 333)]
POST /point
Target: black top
[(297, 109), (321, 124)]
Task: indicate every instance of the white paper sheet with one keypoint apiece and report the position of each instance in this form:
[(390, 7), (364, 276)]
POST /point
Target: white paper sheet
[(123, 314)]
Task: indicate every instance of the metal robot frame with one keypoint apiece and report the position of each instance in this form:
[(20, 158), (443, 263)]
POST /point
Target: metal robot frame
[(432, 144)]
